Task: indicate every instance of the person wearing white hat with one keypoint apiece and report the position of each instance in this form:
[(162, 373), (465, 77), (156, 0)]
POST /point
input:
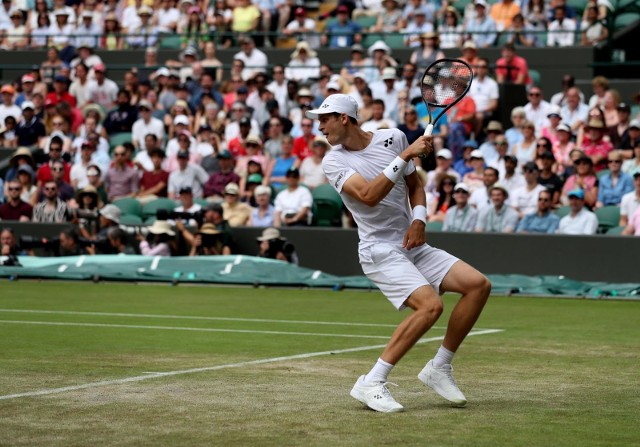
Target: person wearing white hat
[(386, 89), (159, 241), (375, 175), (87, 31), (255, 61), (304, 64), (462, 217), (444, 162), (146, 124)]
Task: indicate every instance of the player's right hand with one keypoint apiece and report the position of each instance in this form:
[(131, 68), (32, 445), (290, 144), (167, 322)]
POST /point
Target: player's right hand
[(421, 147)]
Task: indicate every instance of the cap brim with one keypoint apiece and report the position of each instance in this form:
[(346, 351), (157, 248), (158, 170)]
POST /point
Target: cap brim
[(313, 114)]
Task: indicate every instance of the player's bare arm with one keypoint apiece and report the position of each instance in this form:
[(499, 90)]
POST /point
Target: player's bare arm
[(415, 235), (372, 192)]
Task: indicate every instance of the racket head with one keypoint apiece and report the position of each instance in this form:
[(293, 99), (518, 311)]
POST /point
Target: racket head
[(444, 83)]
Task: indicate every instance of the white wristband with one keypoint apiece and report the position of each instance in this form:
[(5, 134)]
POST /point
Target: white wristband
[(420, 213), (395, 170)]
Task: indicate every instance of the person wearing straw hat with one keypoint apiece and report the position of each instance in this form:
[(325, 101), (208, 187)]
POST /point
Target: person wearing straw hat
[(304, 64), (22, 156), (273, 246), (159, 240), (208, 241), (596, 146)]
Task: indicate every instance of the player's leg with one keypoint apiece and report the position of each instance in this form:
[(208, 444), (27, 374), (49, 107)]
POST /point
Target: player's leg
[(449, 274), (475, 289)]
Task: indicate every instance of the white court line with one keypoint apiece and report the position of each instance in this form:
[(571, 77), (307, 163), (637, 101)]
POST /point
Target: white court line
[(193, 329), (149, 376), (189, 317)]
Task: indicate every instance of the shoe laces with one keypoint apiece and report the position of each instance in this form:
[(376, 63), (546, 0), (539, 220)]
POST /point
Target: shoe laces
[(385, 390), (449, 373)]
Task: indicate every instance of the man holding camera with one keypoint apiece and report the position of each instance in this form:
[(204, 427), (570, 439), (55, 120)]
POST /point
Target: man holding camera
[(274, 246), (214, 224)]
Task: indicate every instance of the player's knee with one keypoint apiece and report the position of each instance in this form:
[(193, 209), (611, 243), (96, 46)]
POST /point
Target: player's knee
[(483, 286)]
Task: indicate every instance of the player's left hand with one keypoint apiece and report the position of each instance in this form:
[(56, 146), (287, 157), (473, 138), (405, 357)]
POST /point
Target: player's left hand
[(415, 235)]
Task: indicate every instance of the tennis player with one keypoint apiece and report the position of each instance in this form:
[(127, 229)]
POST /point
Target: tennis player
[(376, 177)]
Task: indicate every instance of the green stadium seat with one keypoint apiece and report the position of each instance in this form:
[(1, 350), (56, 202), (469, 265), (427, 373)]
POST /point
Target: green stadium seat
[(202, 202), (577, 5), (370, 39), (129, 205), (171, 42), (608, 217), (131, 220), (367, 22), (327, 206), (149, 210), (563, 211), (535, 76), (602, 173), (118, 139), (395, 40), (615, 231), (625, 19), (434, 227), (460, 5)]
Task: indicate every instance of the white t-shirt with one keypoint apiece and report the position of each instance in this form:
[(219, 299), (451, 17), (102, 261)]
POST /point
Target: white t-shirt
[(389, 219), (483, 92), (104, 95), (292, 202), (140, 130), (311, 173), (538, 116), (629, 204), (256, 62), (585, 222), (524, 200)]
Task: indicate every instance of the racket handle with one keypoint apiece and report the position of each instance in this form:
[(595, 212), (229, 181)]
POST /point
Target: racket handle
[(429, 130)]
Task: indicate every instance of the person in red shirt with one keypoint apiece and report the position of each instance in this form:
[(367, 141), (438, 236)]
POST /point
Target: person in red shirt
[(461, 118), (511, 67), (597, 148), (302, 145), (153, 184), (60, 93), (237, 145), (55, 154)]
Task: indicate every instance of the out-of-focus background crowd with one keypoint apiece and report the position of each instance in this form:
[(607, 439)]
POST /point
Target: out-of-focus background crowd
[(171, 154)]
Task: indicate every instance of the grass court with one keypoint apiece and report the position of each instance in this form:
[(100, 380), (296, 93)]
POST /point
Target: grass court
[(124, 364)]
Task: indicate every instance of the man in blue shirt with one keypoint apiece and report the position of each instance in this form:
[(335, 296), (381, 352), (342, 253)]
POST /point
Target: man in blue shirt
[(343, 33), (482, 29), (543, 220), (615, 184)]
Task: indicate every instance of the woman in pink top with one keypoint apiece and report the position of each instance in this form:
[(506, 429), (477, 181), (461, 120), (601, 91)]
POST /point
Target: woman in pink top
[(585, 179), (550, 131), (563, 147)]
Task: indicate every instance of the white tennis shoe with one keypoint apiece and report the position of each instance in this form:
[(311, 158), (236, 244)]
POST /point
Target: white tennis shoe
[(442, 381), (376, 396)]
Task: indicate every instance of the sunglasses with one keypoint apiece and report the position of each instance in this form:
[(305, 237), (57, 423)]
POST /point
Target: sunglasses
[(543, 200), (534, 94), (51, 149), (447, 184), (530, 171), (14, 188), (57, 169), (118, 154), (303, 125), (50, 189), (615, 161), (501, 143)]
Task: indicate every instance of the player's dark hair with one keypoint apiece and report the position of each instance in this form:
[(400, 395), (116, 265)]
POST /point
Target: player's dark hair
[(352, 120)]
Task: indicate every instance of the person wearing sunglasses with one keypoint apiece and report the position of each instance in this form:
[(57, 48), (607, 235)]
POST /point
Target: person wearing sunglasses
[(614, 184), (537, 108), (542, 220), (122, 178), (51, 209), (44, 173), (15, 208), (524, 199), (64, 189)]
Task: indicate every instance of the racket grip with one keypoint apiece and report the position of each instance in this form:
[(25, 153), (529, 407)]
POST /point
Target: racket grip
[(429, 130)]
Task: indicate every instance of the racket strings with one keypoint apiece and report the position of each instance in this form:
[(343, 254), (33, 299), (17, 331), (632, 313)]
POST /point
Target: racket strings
[(445, 82)]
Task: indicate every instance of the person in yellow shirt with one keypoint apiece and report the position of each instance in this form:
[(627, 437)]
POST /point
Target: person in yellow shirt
[(246, 17)]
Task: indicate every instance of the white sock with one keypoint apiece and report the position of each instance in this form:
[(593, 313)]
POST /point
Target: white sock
[(378, 373), (443, 357)]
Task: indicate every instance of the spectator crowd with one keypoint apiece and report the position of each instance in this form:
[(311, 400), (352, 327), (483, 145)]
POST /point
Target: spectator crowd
[(222, 147)]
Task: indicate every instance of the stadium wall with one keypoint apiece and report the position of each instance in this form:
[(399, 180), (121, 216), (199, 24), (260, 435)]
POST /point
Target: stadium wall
[(585, 258)]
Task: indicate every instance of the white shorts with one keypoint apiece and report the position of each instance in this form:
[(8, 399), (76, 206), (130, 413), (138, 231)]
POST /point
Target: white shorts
[(398, 272)]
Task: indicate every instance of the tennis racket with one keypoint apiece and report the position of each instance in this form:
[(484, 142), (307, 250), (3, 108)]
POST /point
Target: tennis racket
[(444, 83)]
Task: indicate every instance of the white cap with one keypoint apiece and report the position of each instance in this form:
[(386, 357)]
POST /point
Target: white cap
[(564, 126), (477, 154), (379, 45), (462, 186), (163, 71), (359, 74), (28, 105), (444, 153), (111, 212), (388, 73), (480, 2), (181, 119), (337, 103), (261, 189), (635, 124), (333, 86), (554, 110)]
